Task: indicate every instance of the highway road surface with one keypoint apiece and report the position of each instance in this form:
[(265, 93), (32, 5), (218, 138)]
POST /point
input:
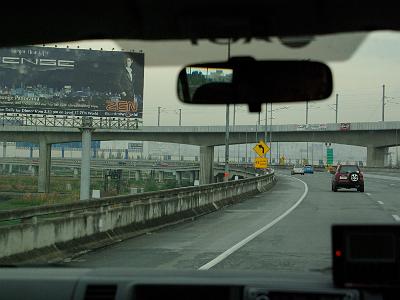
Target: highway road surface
[(285, 229)]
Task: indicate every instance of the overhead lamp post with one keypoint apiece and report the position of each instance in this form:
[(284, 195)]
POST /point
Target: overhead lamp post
[(335, 107), (270, 122), (234, 128), (383, 103), (226, 168), (307, 108), (180, 124), (159, 113)]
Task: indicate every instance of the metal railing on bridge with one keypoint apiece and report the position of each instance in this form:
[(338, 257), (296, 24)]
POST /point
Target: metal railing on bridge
[(68, 121)]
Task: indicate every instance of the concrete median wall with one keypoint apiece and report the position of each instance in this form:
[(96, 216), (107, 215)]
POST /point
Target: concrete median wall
[(53, 233)]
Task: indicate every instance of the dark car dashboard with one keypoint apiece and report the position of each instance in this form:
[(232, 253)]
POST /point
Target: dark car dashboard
[(365, 265), (121, 283)]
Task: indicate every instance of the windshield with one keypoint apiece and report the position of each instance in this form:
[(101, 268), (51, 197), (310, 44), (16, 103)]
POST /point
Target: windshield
[(348, 169), (102, 166)]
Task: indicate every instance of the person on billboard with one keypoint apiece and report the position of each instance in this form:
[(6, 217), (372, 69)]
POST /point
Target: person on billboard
[(127, 81)]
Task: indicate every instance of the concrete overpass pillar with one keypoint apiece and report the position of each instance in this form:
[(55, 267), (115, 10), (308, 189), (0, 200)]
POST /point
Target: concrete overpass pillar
[(192, 176), (85, 163), (4, 149), (137, 175), (44, 165), (206, 164), (376, 156), (179, 178), (160, 176), (34, 170)]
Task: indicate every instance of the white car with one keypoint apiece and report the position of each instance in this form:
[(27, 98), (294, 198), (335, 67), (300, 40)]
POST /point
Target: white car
[(297, 170)]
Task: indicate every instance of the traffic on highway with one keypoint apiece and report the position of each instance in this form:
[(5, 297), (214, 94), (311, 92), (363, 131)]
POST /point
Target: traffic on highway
[(287, 229)]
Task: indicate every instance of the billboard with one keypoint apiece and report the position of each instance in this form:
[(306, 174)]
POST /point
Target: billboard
[(74, 82)]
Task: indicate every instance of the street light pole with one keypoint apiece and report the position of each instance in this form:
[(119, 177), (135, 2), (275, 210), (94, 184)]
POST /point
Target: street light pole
[(158, 119), (306, 124), (226, 169), (234, 115), (383, 103), (266, 123), (246, 148), (277, 152), (397, 151), (312, 154), (307, 112), (234, 124), (180, 124), (258, 125), (337, 107), (270, 134)]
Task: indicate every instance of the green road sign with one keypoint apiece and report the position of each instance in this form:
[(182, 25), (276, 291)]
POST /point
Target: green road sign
[(329, 156)]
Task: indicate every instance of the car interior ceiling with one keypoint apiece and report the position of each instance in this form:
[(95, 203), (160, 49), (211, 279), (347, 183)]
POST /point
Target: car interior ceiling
[(147, 20)]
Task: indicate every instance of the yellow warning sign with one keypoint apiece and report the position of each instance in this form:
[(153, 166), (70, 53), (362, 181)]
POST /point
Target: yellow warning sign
[(261, 148), (260, 163)]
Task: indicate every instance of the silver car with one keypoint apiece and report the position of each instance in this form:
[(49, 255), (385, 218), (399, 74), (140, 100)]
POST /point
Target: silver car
[(297, 170)]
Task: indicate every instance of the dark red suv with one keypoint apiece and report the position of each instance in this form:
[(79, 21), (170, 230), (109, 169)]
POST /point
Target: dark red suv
[(348, 176)]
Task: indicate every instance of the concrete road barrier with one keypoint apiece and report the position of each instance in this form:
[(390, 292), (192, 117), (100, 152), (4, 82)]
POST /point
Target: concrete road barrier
[(52, 233)]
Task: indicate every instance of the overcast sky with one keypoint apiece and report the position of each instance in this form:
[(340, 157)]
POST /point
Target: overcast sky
[(357, 80)]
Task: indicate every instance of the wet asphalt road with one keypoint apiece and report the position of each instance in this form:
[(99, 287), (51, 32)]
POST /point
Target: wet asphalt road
[(299, 242)]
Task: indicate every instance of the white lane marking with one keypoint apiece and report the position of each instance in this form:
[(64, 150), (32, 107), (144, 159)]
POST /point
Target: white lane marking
[(380, 202), (368, 194), (383, 177), (243, 242), (396, 218), (246, 210)]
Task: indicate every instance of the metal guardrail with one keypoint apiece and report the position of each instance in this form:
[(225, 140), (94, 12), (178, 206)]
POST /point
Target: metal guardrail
[(35, 214), (68, 121)]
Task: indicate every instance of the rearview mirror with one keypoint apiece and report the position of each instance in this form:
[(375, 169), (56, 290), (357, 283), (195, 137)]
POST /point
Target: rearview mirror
[(245, 80)]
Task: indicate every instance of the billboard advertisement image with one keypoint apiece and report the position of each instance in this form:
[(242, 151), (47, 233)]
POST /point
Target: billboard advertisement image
[(72, 82)]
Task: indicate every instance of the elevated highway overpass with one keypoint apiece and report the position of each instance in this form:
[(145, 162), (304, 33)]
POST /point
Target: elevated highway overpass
[(377, 137), (376, 134)]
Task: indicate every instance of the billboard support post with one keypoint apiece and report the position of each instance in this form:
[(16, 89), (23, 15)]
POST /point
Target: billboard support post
[(44, 165), (86, 131)]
